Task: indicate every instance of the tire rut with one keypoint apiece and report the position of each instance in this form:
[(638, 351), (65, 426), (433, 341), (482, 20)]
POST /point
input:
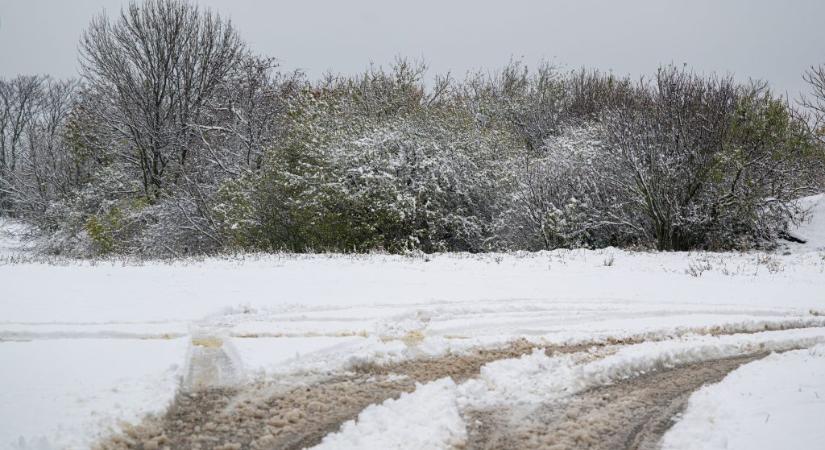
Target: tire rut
[(631, 414), (276, 415), (271, 416)]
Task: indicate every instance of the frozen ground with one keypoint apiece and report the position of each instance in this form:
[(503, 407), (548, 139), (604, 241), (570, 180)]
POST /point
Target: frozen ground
[(84, 345)]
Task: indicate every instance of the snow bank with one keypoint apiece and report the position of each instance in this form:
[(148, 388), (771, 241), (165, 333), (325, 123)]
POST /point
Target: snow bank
[(776, 402), (426, 418)]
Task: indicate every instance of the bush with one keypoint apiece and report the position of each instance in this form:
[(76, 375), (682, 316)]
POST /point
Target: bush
[(422, 179), (517, 159)]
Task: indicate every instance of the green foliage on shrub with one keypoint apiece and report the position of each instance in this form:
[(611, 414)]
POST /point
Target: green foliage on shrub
[(102, 229)]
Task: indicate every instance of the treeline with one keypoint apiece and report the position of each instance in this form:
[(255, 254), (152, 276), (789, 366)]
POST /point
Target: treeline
[(178, 140)]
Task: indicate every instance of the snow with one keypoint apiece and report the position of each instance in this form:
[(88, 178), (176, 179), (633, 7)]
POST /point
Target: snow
[(190, 290), (776, 402), (286, 355), (11, 237), (128, 325), (811, 230), (65, 393), (427, 418), (537, 377)]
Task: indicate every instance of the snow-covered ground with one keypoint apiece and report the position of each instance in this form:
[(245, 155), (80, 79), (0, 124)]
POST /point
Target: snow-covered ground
[(777, 402), (536, 378), (84, 345), (63, 393), (812, 229)]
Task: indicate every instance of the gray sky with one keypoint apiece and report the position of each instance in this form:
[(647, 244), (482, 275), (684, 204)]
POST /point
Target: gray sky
[(770, 40)]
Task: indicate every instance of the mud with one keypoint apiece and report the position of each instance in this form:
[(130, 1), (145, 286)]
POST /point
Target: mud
[(466, 365), (269, 416), (632, 414), (210, 414)]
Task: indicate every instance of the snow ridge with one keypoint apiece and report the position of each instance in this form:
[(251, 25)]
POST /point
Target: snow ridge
[(426, 418)]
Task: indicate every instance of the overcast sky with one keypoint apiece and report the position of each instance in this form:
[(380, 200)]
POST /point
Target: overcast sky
[(770, 40)]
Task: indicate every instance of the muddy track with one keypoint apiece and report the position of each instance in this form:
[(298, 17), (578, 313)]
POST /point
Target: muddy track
[(275, 415), (269, 416), (631, 414)]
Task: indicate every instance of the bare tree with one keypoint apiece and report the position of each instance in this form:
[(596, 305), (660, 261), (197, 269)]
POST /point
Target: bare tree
[(815, 77), (19, 98), (156, 67), (245, 116), (665, 150), (706, 163), (19, 101), (48, 160), (35, 168)]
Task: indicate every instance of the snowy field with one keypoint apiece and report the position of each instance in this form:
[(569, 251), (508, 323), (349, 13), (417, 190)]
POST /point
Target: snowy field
[(85, 346)]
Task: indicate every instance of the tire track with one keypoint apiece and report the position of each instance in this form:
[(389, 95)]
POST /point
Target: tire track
[(632, 414), (269, 416), (210, 414)]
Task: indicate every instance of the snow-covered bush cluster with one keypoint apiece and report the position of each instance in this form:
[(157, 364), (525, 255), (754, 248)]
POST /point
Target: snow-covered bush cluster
[(178, 140)]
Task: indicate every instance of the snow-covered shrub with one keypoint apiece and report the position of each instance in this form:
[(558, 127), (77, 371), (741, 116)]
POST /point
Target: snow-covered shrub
[(557, 197), (704, 163), (252, 158), (422, 178), (432, 174)]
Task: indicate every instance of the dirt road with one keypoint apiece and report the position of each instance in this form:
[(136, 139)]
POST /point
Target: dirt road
[(631, 414), (268, 416)]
